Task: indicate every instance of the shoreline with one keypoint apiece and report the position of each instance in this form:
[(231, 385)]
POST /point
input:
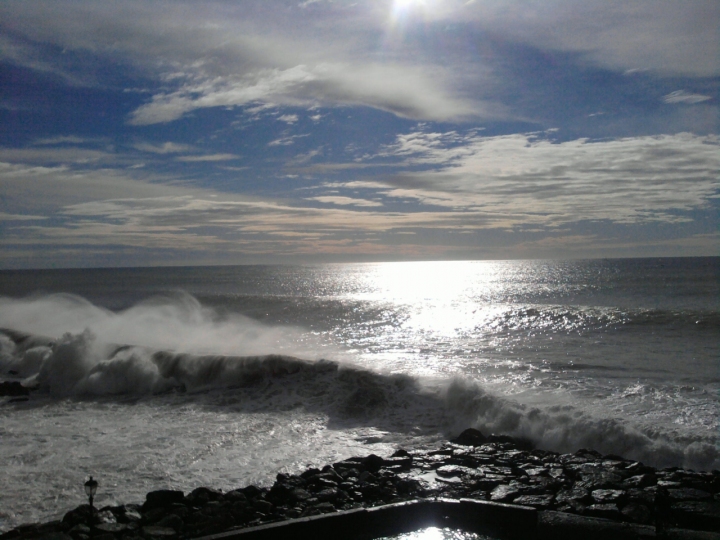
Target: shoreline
[(498, 469)]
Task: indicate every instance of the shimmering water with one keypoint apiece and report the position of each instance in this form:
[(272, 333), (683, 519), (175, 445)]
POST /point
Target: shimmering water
[(617, 355)]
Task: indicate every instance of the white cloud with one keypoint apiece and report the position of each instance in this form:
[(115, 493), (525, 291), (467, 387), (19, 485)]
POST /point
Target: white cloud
[(681, 96), (64, 139), (288, 118), (165, 148), (287, 141), (403, 90), (210, 157), (4, 216), (344, 201), (52, 155), (626, 180)]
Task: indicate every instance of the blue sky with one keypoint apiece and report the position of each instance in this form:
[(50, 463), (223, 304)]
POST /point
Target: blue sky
[(148, 132)]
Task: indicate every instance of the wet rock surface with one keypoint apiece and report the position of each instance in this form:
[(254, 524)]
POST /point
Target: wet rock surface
[(500, 469)]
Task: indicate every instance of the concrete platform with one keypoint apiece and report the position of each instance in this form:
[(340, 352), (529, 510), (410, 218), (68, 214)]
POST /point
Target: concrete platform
[(503, 521)]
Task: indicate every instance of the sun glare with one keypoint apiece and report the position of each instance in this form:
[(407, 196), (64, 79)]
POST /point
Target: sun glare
[(400, 6)]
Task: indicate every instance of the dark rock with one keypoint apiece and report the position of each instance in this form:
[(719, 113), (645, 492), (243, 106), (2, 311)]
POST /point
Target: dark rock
[(398, 463), (458, 471), (573, 494), (152, 531), (327, 495), (299, 494), (13, 388), (81, 514), (505, 493), (637, 512), (688, 494), (80, 528), (262, 506), (310, 473), (640, 481), (235, 496), (203, 495), (598, 479), (330, 473), (171, 520), (112, 528), (470, 437), (104, 516), (401, 453), (697, 514), (251, 492), (602, 496), (607, 511), (372, 463), (541, 502), (162, 497)]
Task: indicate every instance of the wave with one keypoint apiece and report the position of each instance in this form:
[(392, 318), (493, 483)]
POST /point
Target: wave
[(79, 365), (583, 318)]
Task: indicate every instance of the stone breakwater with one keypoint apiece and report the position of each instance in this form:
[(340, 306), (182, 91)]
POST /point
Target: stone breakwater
[(499, 469)]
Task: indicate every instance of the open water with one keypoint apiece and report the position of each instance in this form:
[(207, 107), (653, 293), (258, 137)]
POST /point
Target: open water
[(159, 377)]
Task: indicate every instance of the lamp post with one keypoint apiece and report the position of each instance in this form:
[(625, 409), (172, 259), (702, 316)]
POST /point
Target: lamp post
[(90, 489)]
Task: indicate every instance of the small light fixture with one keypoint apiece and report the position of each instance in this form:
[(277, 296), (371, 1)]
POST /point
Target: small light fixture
[(90, 489)]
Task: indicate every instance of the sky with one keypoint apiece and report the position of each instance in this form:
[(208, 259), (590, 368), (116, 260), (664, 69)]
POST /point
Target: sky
[(143, 133)]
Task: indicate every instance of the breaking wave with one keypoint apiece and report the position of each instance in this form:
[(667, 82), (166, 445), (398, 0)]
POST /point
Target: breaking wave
[(79, 365)]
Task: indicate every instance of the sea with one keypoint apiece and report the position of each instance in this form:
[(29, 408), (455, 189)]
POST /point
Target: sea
[(225, 376)]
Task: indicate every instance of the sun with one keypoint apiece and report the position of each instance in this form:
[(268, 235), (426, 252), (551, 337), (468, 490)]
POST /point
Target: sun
[(406, 4)]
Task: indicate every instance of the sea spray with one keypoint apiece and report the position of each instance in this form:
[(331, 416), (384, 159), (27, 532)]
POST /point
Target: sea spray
[(352, 395)]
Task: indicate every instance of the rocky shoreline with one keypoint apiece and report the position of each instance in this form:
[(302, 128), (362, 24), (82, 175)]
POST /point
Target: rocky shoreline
[(495, 468)]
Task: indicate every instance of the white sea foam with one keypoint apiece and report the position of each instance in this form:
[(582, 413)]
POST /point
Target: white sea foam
[(75, 366)]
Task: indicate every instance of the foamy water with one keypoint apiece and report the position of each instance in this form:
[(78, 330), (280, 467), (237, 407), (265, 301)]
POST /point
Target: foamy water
[(152, 378)]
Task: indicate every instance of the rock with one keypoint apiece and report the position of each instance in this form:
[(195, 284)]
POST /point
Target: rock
[(688, 494), (13, 388), (324, 507), (602, 496), (112, 528), (327, 495), (637, 512), (235, 496), (458, 471), (372, 463), (162, 497), (398, 463), (504, 493), (541, 502), (640, 481), (153, 531), (697, 514), (81, 514), (172, 521), (265, 507), (607, 511), (299, 494), (310, 473), (599, 479), (579, 494), (203, 495), (470, 437), (104, 516), (252, 492), (80, 528)]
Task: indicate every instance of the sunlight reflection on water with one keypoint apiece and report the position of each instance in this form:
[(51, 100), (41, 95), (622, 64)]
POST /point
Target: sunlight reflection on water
[(435, 533)]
